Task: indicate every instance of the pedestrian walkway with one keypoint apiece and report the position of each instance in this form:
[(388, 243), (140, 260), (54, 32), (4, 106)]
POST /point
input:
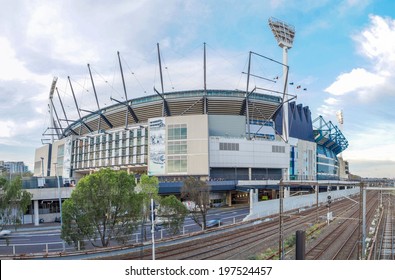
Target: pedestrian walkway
[(33, 228)]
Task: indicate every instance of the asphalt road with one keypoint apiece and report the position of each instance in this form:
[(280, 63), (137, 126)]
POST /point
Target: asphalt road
[(46, 237)]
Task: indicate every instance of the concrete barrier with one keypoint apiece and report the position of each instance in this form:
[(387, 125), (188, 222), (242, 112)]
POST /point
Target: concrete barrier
[(271, 207)]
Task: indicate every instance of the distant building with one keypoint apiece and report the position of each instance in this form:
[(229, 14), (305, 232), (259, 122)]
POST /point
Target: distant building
[(13, 167)]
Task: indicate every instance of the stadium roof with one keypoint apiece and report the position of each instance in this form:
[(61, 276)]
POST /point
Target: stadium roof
[(139, 110), (329, 135)]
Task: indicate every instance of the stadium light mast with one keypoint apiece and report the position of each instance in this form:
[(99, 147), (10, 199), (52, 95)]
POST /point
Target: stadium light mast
[(51, 107), (340, 120), (284, 34)]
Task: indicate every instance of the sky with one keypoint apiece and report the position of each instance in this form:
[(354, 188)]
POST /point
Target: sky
[(343, 54)]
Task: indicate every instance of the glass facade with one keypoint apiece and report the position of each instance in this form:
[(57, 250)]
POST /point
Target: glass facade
[(177, 148), (327, 164), (118, 148)]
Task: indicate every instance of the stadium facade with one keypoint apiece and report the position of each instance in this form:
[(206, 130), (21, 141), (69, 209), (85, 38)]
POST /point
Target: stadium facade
[(205, 134), (232, 139)]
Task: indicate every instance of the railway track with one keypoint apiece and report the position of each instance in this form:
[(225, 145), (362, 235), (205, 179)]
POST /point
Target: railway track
[(349, 246), (384, 243), (238, 243), (341, 241)]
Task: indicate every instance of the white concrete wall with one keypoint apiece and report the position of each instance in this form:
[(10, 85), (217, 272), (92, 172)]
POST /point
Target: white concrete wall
[(41, 166), (50, 193), (251, 153), (270, 207)]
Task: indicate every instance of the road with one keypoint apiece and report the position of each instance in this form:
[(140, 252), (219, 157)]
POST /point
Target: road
[(47, 238)]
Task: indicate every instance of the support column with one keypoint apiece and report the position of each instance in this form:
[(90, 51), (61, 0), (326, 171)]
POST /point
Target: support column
[(229, 198), (249, 174), (287, 192), (274, 194), (253, 198), (317, 192), (36, 215), (363, 222)]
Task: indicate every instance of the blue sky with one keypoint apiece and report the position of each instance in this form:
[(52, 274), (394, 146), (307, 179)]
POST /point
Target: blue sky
[(343, 53)]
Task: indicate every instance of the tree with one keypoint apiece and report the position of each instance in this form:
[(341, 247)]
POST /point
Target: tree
[(169, 210), (172, 213), (103, 206), (198, 193), (13, 202)]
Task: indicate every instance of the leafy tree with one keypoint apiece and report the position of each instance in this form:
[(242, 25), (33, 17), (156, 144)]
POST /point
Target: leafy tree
[(103, 206), (198, 192), (13, 201), (169, 210), (172, 213)]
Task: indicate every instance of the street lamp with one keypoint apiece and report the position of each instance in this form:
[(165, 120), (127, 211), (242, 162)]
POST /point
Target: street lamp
[(60, 198), (284, 34), (42, 167)]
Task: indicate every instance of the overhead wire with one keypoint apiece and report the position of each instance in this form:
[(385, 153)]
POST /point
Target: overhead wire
[(106, 82), (230, 62), (133, 73)]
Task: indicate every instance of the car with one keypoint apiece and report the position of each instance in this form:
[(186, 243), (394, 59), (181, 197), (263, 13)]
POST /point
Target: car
[(5, 233), (213, 223)]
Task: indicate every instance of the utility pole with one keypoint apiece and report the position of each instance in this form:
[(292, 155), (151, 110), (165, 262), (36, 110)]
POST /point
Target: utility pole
[(281, 223), (153, 228), (364, 222)]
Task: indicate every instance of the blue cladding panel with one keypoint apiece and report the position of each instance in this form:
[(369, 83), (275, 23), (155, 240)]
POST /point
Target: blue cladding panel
[(300, 124)]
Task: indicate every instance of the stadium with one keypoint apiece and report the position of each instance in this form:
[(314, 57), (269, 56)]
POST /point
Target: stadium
[(237, 140)]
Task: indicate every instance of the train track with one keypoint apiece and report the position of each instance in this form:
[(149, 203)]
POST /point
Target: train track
[(238, 243), (384, 245), (341, 241)]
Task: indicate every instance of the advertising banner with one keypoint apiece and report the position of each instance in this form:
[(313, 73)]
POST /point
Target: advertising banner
[(157, 146)]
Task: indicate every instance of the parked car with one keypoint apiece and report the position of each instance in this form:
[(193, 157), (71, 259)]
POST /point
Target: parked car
[(5, 233), (213, 223)]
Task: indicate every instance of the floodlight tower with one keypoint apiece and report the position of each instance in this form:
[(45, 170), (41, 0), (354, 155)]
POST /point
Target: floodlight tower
[(51, 108), (340, 119), (284, 34)]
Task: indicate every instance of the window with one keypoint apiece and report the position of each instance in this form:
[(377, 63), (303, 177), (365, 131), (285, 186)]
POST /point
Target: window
[(176, 164), (177, 148), (177, 132), (278, 149), (228, 146)]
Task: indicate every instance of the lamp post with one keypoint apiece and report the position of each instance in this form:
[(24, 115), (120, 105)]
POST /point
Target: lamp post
[(153, 228), (281, 221), (42, 167), (60, 197)]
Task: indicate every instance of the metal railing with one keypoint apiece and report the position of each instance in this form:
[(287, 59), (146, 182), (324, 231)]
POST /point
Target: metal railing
[(45, 248)]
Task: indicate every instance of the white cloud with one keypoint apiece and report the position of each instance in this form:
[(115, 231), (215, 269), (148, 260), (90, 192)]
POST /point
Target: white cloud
[(49, 30), (7, 128), (15, 69), (348, 6), (375, 143), (326, 111), (358, 80), (376, 43), (331, 101)]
